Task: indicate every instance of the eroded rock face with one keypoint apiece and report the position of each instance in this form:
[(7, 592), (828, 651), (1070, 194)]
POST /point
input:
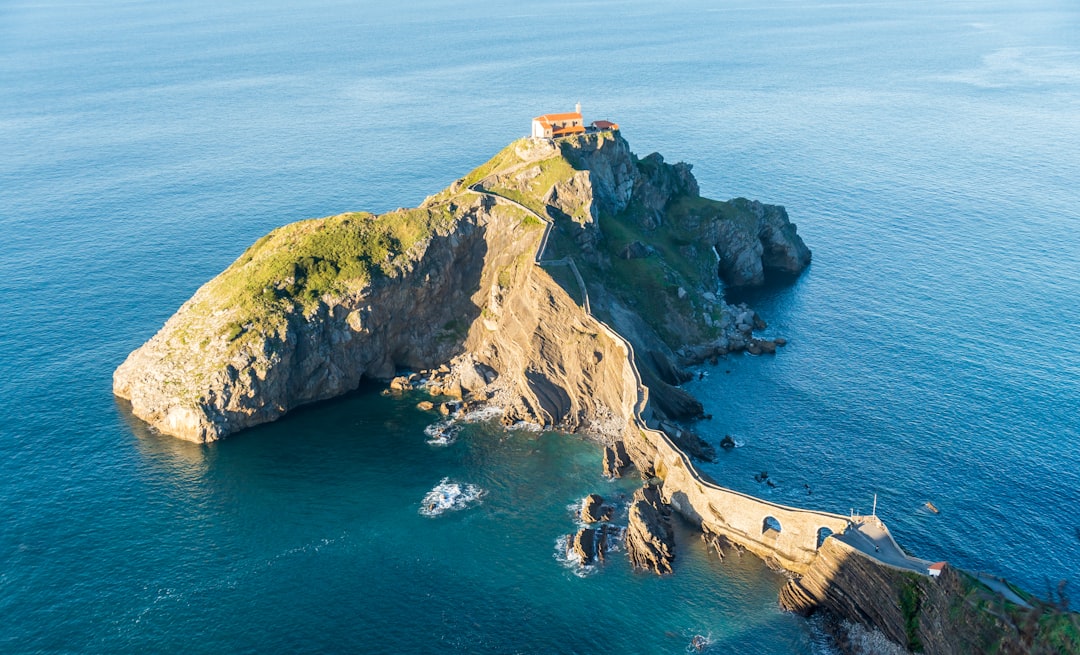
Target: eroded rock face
[(750, 249), (198, 380), (940, 615), (650, 539), (466, 293), (593, 509), (584, 546), (616, 459)]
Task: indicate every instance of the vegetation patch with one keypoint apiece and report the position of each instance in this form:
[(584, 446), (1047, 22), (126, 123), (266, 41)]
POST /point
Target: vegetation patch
[(294, 266), (911, 597)]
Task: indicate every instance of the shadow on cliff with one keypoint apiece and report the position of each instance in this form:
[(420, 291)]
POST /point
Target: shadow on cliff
[(950, 614)]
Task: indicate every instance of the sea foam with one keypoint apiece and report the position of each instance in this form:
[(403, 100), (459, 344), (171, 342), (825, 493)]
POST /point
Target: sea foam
[(448, 496)]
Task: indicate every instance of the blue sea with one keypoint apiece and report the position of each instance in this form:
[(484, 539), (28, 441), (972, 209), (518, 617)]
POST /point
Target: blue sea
[(928, 151)]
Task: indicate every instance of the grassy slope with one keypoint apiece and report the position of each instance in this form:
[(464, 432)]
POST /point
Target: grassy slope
[(298, 264)]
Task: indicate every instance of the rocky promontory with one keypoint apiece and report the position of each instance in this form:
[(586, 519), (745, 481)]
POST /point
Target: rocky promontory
[(568, 283), (314, 307)]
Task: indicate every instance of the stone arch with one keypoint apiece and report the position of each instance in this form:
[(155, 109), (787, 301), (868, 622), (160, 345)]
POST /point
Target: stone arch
[(771, 524), (823, 533)]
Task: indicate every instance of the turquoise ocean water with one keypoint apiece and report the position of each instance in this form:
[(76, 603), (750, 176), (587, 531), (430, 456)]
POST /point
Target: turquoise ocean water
[(929, 151)]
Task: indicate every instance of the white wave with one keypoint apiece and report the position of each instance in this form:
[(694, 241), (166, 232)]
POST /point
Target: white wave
[(569, 559), (574, 510), (450, 496), (442, 433), (699, 643), (526, 426), (485, 413)]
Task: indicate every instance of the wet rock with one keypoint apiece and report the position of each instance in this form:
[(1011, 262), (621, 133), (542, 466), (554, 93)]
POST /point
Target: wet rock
[(593, 509), (616, 460), (715, 541), (425, 405), (590, 545), (650, 540), (583, 545), (727, 443), (450, 407)]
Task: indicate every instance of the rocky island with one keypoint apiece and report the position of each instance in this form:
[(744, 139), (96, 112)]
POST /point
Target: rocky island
[(569, 283)]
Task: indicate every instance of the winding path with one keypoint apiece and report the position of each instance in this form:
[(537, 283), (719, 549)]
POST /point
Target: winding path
[(867, 534)]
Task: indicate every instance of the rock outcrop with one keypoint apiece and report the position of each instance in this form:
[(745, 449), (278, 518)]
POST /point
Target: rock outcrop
[(616, 459), (590, 545), (950, 614), (593, 509), (316, 306), (650, 539)]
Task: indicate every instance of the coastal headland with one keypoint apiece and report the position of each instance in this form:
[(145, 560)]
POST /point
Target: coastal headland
[(569, 283)]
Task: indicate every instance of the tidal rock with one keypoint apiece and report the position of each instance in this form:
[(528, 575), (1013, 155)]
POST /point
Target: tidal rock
[(716, 541), (401, 383), (616, 460), (451, 407), (727, 443), (593, 509), (425, 405), (650, 540), (583, 545)]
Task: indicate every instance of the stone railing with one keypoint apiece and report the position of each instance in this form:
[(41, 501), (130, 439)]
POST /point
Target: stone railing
[(788, 536)]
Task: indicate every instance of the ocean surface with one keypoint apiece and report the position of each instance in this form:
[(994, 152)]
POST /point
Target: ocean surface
[(928, 151)]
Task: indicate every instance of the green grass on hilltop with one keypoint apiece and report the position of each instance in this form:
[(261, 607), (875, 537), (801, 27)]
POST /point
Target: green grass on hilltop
[(297, 264)]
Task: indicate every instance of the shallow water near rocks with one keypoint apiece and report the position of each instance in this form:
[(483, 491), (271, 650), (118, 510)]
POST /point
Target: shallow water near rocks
[(926, 150)]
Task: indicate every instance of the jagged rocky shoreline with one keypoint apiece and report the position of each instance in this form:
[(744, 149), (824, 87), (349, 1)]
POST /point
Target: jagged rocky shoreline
[(568, 283)]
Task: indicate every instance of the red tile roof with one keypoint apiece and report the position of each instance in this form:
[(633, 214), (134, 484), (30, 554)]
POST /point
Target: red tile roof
[(937, 566), (570, 129), (568, 116)]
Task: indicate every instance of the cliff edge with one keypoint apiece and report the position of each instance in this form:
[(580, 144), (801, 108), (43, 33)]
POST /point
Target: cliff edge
[(507, 282), (316, 306)]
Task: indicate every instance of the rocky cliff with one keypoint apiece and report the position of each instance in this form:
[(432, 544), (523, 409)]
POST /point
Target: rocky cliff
[(951, 614), (315, 306)]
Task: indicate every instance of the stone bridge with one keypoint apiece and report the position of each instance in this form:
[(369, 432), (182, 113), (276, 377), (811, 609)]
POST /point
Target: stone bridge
[(787, 536)]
